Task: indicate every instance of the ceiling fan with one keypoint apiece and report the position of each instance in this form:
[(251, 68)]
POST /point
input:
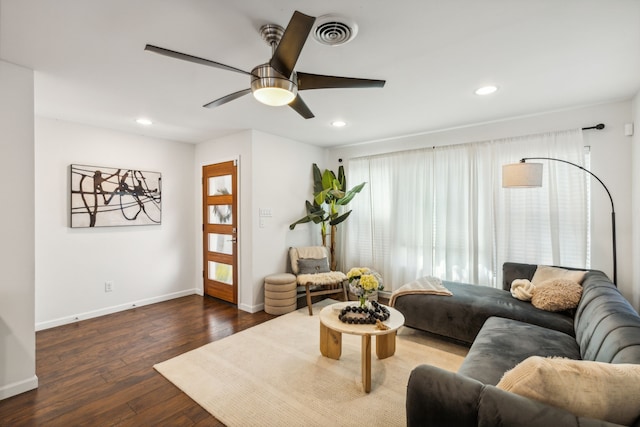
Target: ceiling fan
[(275, 82)]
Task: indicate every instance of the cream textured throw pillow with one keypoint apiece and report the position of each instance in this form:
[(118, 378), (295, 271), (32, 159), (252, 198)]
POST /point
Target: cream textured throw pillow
[(522, 289), (604, 391), (556, 295), (544, 272)]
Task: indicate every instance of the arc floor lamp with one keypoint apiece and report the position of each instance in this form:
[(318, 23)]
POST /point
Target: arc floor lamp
[(525, 175)]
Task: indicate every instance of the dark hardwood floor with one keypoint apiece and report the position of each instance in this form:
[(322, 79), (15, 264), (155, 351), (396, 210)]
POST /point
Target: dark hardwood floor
[(99, 372)]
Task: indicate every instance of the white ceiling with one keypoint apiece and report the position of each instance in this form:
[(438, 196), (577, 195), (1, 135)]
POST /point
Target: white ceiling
[(543, 54)]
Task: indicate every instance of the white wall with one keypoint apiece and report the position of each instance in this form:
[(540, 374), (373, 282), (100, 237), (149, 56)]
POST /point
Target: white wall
[(635, 185), (274, 173), (282, 181), (610, 161), (146, 264), (17, 290)]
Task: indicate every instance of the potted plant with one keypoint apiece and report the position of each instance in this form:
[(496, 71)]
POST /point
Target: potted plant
[(329, 192)]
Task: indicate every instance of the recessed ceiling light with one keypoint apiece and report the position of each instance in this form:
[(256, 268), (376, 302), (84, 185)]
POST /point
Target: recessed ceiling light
[(486, 90), (338, 123), (144, 122)]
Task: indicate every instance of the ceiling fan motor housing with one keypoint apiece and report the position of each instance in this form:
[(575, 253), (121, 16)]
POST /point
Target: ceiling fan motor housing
[(272, 88)]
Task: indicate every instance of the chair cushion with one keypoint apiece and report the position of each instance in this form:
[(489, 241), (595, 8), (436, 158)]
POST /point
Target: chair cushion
[(330, 278)]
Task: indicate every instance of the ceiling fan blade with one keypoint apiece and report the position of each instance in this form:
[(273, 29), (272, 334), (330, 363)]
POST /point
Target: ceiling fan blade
[(301, 108), (294, 37), (228, 98), (308, 81), (191, 58)]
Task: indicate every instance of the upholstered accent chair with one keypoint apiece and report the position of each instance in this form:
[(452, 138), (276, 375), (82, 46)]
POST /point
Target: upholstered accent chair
[(310, 264)]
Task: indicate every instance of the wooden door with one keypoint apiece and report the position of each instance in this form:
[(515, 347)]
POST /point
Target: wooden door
[(220, 230)]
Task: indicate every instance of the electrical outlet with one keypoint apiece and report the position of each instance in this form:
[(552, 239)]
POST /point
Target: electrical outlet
[(108, 286)]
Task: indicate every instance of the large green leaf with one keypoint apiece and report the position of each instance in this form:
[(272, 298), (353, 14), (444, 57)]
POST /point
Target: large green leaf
[(315, 213), (351, 194), (314, 208), (338, 194), (317, 179), (300, 221), (327, 179), (339, 219), (342, 178), (317, 218), (321, 197)]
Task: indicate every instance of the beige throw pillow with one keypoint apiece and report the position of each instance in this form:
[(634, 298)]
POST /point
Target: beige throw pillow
[(604, 391), (522, 289), (545, 272), (556, 295)]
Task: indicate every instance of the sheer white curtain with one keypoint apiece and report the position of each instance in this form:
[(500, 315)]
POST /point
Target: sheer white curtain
[(442, 211)]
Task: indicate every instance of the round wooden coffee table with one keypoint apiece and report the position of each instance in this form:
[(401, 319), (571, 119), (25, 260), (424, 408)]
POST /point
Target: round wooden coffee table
[(331, 330)]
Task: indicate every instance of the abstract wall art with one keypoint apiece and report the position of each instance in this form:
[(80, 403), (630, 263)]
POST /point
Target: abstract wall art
[(106, 197)]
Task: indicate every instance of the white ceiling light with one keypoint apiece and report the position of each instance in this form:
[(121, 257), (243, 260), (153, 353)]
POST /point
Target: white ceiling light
[(486, 90), (338, 123), (144, 122)]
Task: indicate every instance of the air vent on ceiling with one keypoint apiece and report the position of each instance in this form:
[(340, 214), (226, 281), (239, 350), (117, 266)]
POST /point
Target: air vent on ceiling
[(334, 30)]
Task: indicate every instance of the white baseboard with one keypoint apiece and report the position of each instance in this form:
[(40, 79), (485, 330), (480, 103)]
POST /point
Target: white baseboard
[(114, 309), (16, 388), (251, 308)]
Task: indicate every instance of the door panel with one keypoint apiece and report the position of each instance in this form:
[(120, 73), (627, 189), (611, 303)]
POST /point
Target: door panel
[(221, 243), (220, 230)]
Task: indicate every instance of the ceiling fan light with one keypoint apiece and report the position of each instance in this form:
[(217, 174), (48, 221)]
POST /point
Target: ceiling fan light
[(274, 96), (272, 88)]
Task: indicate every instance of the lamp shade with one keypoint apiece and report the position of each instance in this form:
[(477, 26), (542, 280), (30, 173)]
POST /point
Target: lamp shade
[(522, 175)]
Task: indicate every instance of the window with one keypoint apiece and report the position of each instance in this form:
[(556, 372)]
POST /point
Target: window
[(442, 211)]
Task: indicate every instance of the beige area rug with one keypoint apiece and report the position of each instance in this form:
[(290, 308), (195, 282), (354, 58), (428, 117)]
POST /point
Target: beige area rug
[(274, 375)]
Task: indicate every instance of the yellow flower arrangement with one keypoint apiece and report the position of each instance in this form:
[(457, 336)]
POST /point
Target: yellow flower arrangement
[(368, 282), (364, 281), (356, 272)]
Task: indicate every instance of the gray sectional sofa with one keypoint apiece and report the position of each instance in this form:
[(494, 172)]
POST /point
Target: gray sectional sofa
[(502, 332)]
